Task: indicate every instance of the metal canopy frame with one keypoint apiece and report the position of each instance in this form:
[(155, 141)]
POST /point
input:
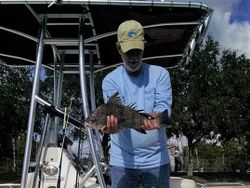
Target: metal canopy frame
[(169, 29), (79, 36)]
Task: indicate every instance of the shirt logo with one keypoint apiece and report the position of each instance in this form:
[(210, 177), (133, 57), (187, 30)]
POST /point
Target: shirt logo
[(131, 34)]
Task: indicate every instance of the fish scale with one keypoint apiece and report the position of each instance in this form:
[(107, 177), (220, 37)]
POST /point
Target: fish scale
[(127, 116)]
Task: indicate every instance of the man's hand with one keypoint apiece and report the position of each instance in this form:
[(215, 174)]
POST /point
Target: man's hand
[(149, 125), (111, 126)]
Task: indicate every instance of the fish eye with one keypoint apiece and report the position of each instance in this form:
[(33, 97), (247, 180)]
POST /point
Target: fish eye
[(92, 118)]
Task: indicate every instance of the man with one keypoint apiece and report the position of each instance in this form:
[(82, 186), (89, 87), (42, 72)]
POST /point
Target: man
[(138, 159)]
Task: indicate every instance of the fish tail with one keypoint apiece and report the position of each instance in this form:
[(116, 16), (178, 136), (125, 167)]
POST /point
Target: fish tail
[(164, 119)]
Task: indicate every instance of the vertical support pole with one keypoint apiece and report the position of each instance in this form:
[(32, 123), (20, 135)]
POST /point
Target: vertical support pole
[(60, 82), (58, 77), (85, 103), (32, 112), (39, 151), (92, 83), (55, 76), (93, 102), (53, 126)]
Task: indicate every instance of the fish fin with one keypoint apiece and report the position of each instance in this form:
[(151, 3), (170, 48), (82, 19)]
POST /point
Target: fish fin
[(141, 130), (115, 99), (132, 105), (164, 119), (139, 111)]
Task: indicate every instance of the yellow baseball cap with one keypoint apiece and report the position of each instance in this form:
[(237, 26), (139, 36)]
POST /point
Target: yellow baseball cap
[(130, 35)]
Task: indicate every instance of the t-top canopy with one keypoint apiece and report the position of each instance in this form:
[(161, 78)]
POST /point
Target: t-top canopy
[(171, 30)]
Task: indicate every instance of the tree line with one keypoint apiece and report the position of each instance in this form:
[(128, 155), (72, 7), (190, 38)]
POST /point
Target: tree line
[(212, 93)]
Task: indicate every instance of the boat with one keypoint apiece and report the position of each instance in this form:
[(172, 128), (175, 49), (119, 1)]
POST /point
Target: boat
[(79, 37)]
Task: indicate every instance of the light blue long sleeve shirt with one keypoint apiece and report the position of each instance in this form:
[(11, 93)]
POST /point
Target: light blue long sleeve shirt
[(150, 91)]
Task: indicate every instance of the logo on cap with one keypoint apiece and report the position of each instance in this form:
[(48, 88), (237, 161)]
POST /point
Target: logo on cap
[(131, 34)]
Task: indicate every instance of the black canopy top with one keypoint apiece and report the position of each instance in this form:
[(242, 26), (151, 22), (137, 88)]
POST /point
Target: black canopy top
[(171, 30)]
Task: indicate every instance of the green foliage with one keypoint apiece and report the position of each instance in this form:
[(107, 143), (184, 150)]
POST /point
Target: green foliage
[(193, 88), (15, 91), (209, 151), (232, 147), (211, 93), (229, 157), (235, 90)]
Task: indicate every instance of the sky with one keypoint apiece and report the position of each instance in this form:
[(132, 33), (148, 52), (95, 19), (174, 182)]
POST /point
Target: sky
[(230, 23)]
